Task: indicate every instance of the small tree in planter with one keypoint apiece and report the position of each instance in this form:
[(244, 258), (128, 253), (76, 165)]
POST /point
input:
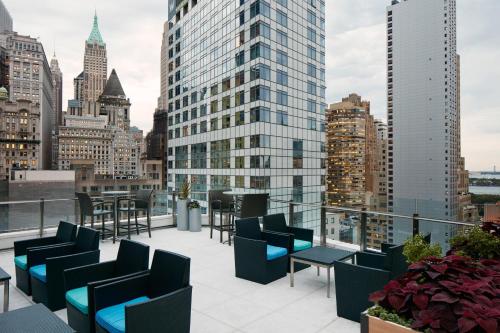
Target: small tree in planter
[(478, 243), (194, 216), (182, 206), (451, 294)]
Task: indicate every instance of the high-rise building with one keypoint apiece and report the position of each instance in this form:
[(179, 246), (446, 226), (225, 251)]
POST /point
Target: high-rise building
[(423, 114), (115, 104), (5, 19), (95, 65), (30, 79), (246, 99), (57, 115), (350, 150), (57, 84), (19, 135), (165, 44)]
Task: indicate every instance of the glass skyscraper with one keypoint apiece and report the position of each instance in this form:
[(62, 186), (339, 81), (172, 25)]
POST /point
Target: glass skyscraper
[(246, 99)]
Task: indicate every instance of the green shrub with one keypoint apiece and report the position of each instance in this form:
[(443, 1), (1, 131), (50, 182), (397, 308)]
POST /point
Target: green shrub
[(477, 244), (416, 249), (390, 316)]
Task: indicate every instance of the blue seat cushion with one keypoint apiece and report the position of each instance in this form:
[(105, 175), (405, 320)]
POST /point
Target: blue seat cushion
[(301, 245), (112, 319), (79, 299), (39, 272), (21, 262), (274, 252)]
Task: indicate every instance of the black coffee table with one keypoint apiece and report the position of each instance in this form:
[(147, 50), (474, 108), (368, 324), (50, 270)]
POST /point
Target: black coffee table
[(319, 256), (5, 280), (33, 319)]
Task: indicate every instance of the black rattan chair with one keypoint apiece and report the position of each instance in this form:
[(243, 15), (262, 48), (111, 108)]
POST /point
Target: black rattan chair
[(218, 202), (302, 239), (48, 265), (91, 208), (141, 203), (158, 301), (252, 205), (66, 232), (80, 282), (259, 256), (353, 285)]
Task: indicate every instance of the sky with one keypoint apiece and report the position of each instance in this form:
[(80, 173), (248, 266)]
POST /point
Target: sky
[(355, 40)]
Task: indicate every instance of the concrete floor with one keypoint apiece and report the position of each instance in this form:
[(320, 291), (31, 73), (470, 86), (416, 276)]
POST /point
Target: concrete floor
[(223, 303)]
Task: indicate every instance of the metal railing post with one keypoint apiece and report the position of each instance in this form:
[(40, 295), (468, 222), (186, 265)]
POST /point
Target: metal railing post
[(174, 208), (323, 225), (364, 220), (42, 213), (416, 225), (290, 213)]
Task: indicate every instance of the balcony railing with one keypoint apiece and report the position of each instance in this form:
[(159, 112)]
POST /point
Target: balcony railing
[(352, 227)]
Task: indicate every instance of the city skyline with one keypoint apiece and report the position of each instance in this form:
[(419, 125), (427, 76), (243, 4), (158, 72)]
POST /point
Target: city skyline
[(355, 57)]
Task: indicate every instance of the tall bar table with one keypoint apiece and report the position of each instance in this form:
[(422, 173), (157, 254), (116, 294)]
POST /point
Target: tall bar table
[(116, 218)]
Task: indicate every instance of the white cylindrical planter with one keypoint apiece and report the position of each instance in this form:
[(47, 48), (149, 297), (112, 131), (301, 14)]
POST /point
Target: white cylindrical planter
[(182, 215), (195, 219)]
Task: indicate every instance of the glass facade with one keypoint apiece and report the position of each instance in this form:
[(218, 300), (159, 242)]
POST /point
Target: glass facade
[(245, 100)]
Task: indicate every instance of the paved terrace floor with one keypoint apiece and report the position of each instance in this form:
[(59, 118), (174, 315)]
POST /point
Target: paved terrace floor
[(223, 303)]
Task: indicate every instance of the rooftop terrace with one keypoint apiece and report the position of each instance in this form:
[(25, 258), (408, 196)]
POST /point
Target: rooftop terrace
[(223, 303)]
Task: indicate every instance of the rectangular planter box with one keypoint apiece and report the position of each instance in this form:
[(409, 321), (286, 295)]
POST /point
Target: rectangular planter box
[(371, 324)]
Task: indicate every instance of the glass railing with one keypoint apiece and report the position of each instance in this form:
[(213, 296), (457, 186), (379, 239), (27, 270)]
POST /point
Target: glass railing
[(349, 226)]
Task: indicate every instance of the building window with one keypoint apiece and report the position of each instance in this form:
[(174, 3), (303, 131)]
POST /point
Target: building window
[(214, 106), (239, 118), (260, 93), (282, 77), (239, 143), (239, 181), (260, 182), (282, 38), (260, 50), (282, 98), (199, 156), (311, 123), (260, 29), (282, 58), (239, 98), (260, 7), (260, 141), (311, 35), (239, 162), (226, 121), (239, 78), (311, 52), (226, 84), (260, 114), (282, 118), (214, 124), (311, 106), (260, 162), (240, 58), (298, 154), (281, 18), (260, 71), (220, 154), (226, 102), (311, 88)]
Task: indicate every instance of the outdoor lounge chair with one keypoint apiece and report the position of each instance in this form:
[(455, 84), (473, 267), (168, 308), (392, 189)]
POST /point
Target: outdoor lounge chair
[(80, 282), (157, 301), (66, 232), (302, 239), (48, 265), (260, 256)]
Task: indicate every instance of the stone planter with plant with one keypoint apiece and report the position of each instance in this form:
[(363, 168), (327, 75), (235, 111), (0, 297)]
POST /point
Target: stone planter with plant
[(450, 294), (182, 207), (194, 216)]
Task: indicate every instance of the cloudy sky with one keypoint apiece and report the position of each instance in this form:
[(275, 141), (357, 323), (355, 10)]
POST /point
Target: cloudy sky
[(355, 55)]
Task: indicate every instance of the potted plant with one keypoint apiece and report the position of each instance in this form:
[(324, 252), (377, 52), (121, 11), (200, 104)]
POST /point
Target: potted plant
[(417, 248), (478, 242), (450, 294), (194, 216), (182, 207)]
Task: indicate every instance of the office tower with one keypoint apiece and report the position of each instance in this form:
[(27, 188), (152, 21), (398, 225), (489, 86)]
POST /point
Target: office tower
[(57, 83), (246, 89), (30, 79), (20, 136), (350, 149), (95, 65), (423, 114), (165, 44), (115, 104), (5, 19)]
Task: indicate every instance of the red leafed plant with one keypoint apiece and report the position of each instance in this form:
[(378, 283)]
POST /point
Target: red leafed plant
[(491, 228), (450, 294)]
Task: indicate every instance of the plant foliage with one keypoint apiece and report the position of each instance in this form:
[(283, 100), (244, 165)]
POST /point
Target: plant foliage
[(185, 190), (477, 243), (451, 294), (416, 249), (194, 204)]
